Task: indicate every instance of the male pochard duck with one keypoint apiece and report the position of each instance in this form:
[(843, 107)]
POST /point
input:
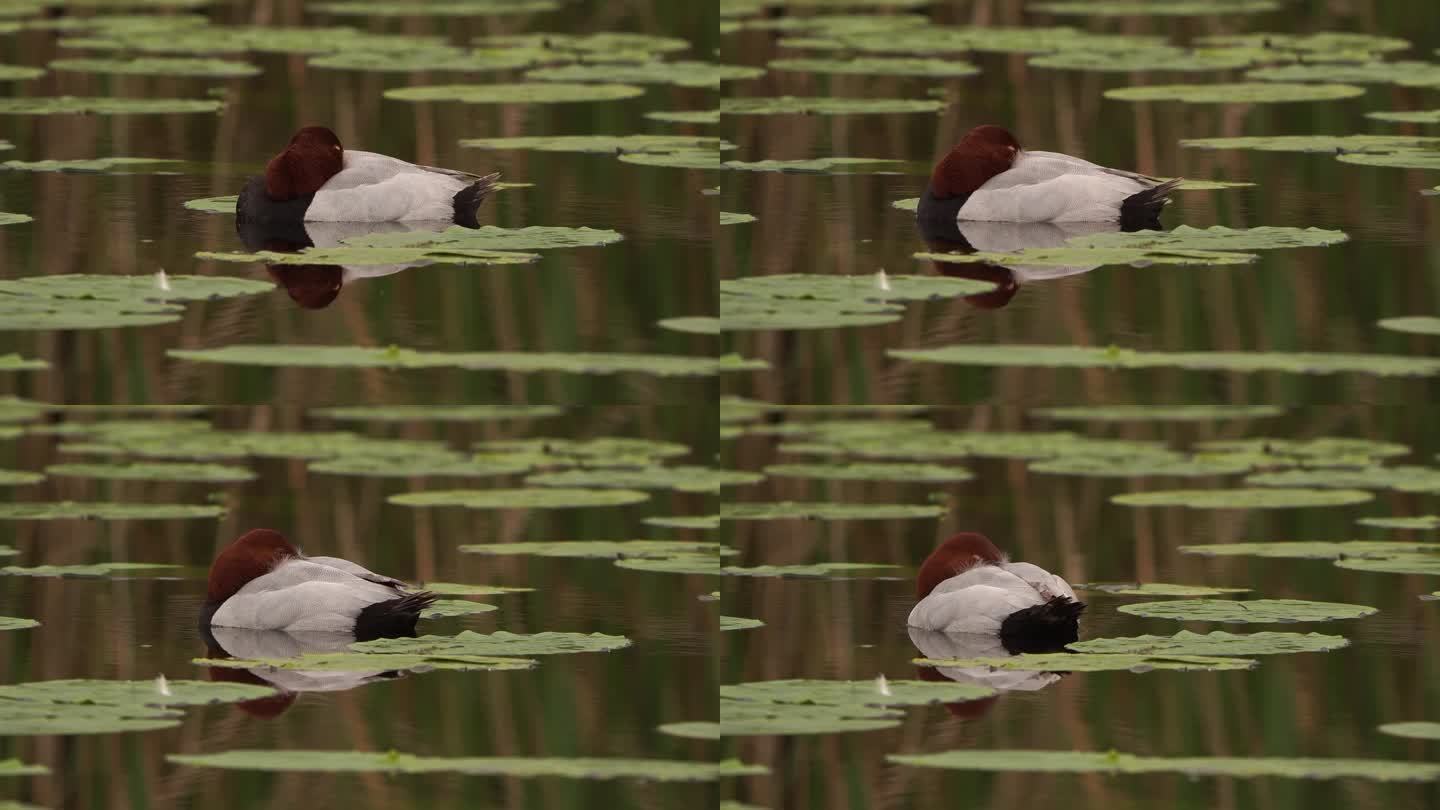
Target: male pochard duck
[(966, 586), (262, 582), (987, 176), (315, 179)]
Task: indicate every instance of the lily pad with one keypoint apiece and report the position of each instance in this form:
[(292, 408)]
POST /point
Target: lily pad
[(656, 770), (214, 205), (7, 218), (820, 301), (1315, 45), (1115, 762), (684, 73), (1147, 59), (489, 237), (681, 478), (16, 73), (1096, 256), (1309, 452), (695, 730), (1148, 8), (1421, 522), (434, 8), (1419, 730), (1236, 93), (700, 522), (536, 498), (597, 45), (928, 40), (438, 413), (72, 105), (1403, 478), (792, 105), (12, 623), (1397, 564), (689, 159), (1244, 498), (1406, 73), (879, 66), (374, 662), (732, 218), (455, 607), (823, 693), (600, 144), (686, 116), (1314, 143), (833, 570), (726, 623), (603, 452), (1096, 662), (1005, 355), (97, 165), (1415, 324), (83, 301), (872, 471), (359, 255), (159, 66), (1407, 116), (791, 510), (743, 717), (1400, 159), (1216, 237), (151, 471), (464, 589), (14, 767), (282, 355), (1142, 466), (17, 478), (1156, 589), (600, 549), (1157, 413), (1216, 643), (1259, 611), (97, 706), (97, 570), (71, 510), (497, 643), (828, 165), (1310, 550), (522, 93), (693, 564), (693, 324)]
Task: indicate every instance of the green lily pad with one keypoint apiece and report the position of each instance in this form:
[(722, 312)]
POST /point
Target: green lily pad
[(434, 8), (1147, 8), (693, 324), (96, 165), (872, 471), (692, 564), (83, 301), (1314, 143), (489, 237), (695, 730), (1314, 45), (829, 165), (14, 767), (1310, 550), (151, 471), (928, 40), (358, 255), (1422, 522), (879, 66), (650, 770), (792, 105), (455, 607), (12, 623), (1216, 643), (497, 643), (686, 116), (1142, 466), (1415, 324), (684, 73), (437, 58), (1096, 662), (372, 662), (214, 205), (599, 549), (537, 498), (733, 362), (597, 45), (14, 73), (1309, 452), (731, 218), (8, 551), (1147, 59), (24, 718), (741, 718), (682, 478), (1258, 611), (1236, 93), (1115, 762), (1005, 355), (726, 623), (1405, 72), (1407, 116), (604, 452), (1156, 589), (1397, 564), (437, 413), (823, 693), (159, 66), (98, 570), (97, 706), (600, 144), (790, 510), (819, 301), (1400, 159), (833, 570), (1419, 730), (464, 589), (520, 93), (1403, 478), (689, 159), (1157, 413), (1244, 498), (1097, 256), (1217, 237), (17, 478), (72, 105), (71, 510), (282, 355), (7, 218), (702, 522)]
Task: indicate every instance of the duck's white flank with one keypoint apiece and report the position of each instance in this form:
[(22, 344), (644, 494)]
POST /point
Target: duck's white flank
[(306, 594), (978, 599), (378, 188), (1051, 187)]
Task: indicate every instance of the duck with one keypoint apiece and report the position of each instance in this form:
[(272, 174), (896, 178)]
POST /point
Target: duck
[(987, 176), (316, 179), (261, 581), (967, 586)]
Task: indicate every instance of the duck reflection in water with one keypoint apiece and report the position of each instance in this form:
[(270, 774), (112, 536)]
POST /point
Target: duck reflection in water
[(946, 235), (316, 286), (972, 602)]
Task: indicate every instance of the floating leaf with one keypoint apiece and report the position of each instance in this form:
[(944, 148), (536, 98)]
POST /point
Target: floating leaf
[(11, 623), (1419, 730), (539, 498), (437, 413), (1156, 589), (1157, 413), (1117, 763), (454, 607), (14, 767), (690, 159), (729, 218), (693, 564), (159, 66), (601, 144), (656, 770), (684, 73), (489, 237), (1244, 498), (1006, 355), (1148, 59), (803, 301), (149, 471), (1405, 72), (1216, 237), (597, 45), (214, 205), (14, 219), (790, 510), (1404, 478), (822, 693), (497, 643), (695, 730), (742, 717), (1235, 93), (1400, 159), (1258, 611), (1309, 452), (682, 478), (833, 570), (1097, 256), (601, 549), (1310, 550), (1095, 662), (17, 478), (1216, 643), (1170, 464), (1165, 8), (828, 165), (1408, 116), (82, 301), (603, 452), (879, 66), (98, 706), (872, 471), (281, 355), (1422, 522), (695, 325), (1314, 143), (726, 623), (374, 662), (525, 93), (463, 589), (791, 105), (928, 40), (98, 570), (71, 510), (686, 116), (13, 73), (1315, 45), (359, 255), (1415, 324), (705, 522), (434, 8), (1397, 564), (71, 105), (96, 165)]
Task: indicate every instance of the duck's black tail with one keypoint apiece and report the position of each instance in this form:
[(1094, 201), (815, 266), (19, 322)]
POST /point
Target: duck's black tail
[(1141, 211), (468, 199), (394, 618), (1042, 628)]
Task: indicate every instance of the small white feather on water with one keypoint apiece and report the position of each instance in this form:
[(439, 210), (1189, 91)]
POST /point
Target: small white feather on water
[(161, 685), (162, 281), (882, 281), (881, 685)]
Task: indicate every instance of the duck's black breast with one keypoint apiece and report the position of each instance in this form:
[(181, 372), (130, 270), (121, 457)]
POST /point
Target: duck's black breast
[(936, 217), (255, 206)]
